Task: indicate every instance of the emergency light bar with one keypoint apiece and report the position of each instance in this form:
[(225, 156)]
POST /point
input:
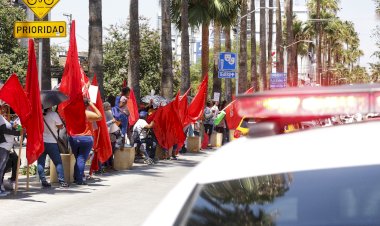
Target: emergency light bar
[(311, 101)]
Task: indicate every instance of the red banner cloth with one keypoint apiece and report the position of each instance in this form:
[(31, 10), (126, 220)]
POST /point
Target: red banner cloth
[(73, 109), (167, 125), (102, 142), (35, 125), (197, 105), (232, 117), (133, 109), (183, 107), (13, 94)]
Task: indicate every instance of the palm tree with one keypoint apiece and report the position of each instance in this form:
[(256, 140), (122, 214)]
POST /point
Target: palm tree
[(243, 49), (292, 74), (270, 35), (216, 84), (254, 76), (95, 49), (166, 49), (185, 56), (134, 40), (263, 60), (279, 40)]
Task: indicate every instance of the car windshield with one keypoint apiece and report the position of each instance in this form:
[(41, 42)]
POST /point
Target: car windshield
[(342, 196)]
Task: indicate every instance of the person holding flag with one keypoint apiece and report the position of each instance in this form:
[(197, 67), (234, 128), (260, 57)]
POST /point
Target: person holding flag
[(81, 144)]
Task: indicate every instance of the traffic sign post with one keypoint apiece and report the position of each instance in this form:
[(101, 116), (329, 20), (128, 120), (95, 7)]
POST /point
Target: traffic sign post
[(277, 80), (226, 74), (227, 61), (227, 65), (40, 7), (39, 29)]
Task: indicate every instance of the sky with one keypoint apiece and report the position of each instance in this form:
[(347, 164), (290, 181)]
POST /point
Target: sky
[(360, 12)]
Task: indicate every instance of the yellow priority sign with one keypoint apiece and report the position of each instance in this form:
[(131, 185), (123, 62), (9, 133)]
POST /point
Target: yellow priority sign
[(39, 29), (40, 7)]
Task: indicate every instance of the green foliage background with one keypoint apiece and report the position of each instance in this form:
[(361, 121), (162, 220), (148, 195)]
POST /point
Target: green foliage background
[(13, 57)]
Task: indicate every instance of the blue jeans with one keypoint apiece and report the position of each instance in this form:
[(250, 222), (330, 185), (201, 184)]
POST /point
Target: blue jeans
[(124, 124), (81, 147), (3, 162), (52, 150)]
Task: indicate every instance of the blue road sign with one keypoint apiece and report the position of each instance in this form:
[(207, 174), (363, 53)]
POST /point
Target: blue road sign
[(227, 61), (277, 80), (226, 74)]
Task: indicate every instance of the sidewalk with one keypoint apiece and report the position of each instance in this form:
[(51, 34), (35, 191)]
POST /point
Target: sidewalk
[(114, 198)]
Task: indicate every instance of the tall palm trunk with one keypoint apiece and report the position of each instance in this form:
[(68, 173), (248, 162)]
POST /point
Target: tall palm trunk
[(185, 56), (95, 49), (243, 50), (279, 41), (263, 60), (254, 76), (166, 48), (319, 43), (205, 49), (292, 76), (270, 36), (216, 82), (228, 82), (134, 45), (46, 67)]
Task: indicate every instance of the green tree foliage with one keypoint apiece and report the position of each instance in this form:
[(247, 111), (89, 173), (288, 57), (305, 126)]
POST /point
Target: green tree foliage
[(116, 53), (13, 58)]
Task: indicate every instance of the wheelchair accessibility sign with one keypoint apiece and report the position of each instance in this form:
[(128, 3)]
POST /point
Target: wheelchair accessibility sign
[(227, 61)]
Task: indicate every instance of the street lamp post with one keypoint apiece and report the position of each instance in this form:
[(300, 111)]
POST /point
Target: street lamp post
[(286, 53), (237, 41)]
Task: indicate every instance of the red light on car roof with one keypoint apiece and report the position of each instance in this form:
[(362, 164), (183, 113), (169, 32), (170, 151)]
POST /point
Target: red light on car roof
[(312, 101)]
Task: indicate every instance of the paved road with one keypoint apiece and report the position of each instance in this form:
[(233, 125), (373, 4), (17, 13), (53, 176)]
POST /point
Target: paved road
[(117, 198)]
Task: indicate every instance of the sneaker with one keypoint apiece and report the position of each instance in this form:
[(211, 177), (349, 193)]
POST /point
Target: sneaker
[(45, 184), (3, 193), (81, 183), (12, 184), (63, 184), (173, 158)]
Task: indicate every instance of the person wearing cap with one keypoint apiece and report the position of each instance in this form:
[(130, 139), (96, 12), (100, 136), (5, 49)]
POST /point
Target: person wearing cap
[(140, 133)]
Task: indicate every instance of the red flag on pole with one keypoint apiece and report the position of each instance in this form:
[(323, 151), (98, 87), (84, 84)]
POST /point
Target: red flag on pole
[(133, 109), (102, 142), (73, 109), (13, 94), (124, 83), (35, 125), (167, 125), (232, 117), (197, 105)]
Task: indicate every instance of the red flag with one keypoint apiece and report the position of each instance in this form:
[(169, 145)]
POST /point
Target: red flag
[(167, 125), (124, 83), (35, 125), (102, 142), (133, 109), (73, 109), (197, 105), (232, 117), (13, 94)]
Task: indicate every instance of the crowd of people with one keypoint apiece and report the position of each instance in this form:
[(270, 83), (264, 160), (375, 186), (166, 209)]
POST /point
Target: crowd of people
[(140, 135)]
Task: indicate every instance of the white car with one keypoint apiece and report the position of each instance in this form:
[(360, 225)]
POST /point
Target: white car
[(323, 176)]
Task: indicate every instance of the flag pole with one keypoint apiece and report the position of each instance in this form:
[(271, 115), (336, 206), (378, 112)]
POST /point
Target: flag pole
[(18, 159), (27, 176)]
